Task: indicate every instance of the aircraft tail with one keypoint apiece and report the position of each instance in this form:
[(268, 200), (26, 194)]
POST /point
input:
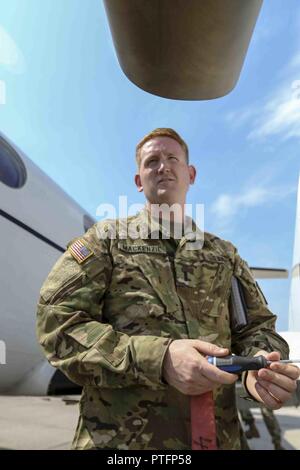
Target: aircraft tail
[(294, 308)]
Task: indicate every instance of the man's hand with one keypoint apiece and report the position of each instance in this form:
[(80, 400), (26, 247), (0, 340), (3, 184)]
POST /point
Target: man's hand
[(275, 385), (186, 369)]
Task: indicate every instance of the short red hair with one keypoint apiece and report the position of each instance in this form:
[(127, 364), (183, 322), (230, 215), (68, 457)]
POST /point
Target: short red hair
[(161, 132)]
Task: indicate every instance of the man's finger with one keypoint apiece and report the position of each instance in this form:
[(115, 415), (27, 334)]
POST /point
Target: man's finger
[(280, 380), (268, 400), (216, 375), (287, 369), (209, 349), (273, 356), (278, 392)]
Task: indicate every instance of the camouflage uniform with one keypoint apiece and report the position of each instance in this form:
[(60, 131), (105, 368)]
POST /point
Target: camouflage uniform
[(270, 421), (272, 426), (107, 323)]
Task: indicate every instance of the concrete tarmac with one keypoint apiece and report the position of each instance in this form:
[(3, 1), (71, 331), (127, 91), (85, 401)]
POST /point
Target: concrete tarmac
[(49, 423)]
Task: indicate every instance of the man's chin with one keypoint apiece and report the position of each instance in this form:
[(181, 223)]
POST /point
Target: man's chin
[(166, 197)]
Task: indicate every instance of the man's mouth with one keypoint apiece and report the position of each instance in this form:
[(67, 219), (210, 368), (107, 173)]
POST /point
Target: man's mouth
[(162, 180)]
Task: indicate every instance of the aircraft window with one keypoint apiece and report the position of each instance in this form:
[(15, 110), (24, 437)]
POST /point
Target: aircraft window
[(88, 222), (12, 169)]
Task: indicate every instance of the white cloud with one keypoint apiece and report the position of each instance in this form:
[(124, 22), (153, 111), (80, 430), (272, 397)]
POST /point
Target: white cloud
[(242, 116), (227, 206), (11, 56), (279, 113)]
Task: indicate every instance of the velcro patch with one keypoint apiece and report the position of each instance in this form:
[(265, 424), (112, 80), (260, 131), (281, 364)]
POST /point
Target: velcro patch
[(80, 251), (142, 249)]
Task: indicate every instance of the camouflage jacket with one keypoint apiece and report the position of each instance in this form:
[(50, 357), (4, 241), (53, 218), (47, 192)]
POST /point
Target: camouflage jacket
[(107, 313)]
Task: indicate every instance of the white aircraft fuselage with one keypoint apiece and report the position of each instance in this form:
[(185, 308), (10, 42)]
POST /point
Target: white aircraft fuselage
[(36, 221)]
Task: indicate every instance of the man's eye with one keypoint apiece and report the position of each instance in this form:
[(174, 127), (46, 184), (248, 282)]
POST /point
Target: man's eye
[(172, 157)]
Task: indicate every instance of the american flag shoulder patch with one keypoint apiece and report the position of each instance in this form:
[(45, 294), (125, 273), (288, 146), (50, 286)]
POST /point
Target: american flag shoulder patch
[(80, 251)]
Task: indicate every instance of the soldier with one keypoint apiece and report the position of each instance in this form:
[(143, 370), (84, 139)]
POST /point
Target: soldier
[(130, 311), (271, 423), (273, 427), (249, 420)]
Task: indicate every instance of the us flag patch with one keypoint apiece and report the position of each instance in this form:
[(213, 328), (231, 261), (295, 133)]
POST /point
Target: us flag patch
[(80, 251)]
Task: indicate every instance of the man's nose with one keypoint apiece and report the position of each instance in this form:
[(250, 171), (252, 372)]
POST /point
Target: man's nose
[(163, 166)]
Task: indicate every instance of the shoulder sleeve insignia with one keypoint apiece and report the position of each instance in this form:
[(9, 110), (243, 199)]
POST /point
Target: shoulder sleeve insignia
[(80, 251)]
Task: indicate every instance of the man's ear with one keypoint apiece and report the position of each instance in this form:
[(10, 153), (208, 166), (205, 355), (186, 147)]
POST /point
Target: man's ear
[(192, 172), (138, 183)]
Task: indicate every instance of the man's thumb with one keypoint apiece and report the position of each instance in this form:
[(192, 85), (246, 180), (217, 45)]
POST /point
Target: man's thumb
[(209, 349), (273, 356)]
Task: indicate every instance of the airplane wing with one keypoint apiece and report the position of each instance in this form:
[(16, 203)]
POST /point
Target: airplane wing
[(269, 273)]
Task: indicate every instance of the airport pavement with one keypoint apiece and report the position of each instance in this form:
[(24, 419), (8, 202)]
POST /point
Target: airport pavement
[(37, 422), (289, 421), (49, 423)]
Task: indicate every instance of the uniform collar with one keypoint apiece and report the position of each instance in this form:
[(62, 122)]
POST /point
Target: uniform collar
[(152, 228)]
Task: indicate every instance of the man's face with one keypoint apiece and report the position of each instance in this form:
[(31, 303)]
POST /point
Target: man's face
[(164, 174)]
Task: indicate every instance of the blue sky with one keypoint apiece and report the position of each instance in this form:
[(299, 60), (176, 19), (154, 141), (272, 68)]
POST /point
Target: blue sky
[(70, 108)]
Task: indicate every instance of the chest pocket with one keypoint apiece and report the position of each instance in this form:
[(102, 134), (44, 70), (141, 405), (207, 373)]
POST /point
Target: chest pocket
[(155, 267), (204, 281)]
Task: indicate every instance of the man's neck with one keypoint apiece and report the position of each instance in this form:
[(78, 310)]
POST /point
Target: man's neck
[(170, 218), (175, 213)]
